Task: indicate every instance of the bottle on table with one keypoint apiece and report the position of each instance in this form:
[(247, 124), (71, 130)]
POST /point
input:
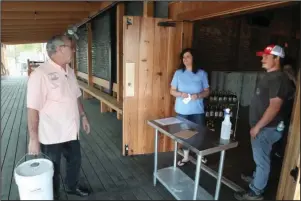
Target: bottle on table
[(226, 126)]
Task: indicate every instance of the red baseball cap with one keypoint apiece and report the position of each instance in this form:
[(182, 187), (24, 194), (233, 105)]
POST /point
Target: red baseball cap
[(272, 50)]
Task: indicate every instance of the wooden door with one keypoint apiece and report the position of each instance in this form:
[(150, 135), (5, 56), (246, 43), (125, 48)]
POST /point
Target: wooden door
[(151, 56), (289, 186)]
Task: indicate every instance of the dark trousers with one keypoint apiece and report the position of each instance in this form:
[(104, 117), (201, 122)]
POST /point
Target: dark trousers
[(72, 154)]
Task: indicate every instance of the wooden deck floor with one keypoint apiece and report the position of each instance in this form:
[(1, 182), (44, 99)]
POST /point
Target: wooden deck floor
[(104, 170)]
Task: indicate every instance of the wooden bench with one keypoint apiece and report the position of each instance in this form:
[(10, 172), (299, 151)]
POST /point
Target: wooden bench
[(104, 98)]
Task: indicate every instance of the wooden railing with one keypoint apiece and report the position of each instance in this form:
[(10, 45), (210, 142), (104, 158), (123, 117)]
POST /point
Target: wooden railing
[(4, 71), (32, 65)]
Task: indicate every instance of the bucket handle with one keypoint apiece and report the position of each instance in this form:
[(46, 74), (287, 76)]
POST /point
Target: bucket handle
[(18, 163)]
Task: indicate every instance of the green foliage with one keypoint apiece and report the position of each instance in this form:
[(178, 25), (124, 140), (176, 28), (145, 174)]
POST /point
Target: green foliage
[(29, 47)]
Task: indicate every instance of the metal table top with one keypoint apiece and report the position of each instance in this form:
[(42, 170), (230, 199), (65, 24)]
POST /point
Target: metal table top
[(205, 142)]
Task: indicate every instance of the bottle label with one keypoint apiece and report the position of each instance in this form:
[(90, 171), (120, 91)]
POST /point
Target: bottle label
[(211, 113), (207, 114), (221, 114), (216, 114)]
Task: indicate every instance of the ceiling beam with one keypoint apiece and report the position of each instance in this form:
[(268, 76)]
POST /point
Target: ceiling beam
[(209, 9), (27, 15), (29, 30), (18, 42), (4, 27), (61, 6), (37, 22), (27, 37), (21, 34)]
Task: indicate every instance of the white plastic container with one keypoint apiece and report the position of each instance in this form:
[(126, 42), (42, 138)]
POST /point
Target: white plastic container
[(226, 126), (34, 179)]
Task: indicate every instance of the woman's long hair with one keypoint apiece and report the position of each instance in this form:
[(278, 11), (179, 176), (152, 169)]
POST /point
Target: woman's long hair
[(194, 65)]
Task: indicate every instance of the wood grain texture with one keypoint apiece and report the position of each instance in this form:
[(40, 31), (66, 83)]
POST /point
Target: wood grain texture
[(287, 189), (89, 52), (119, 29), (130, 104), (204, 10), (110, 101), (157, 51), (148, 8), (145, 75), (160, 79)]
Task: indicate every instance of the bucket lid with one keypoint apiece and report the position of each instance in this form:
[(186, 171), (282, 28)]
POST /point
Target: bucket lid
[(34, 167)]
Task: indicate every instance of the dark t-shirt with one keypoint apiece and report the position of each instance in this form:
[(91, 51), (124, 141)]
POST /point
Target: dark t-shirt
[(274, 84)]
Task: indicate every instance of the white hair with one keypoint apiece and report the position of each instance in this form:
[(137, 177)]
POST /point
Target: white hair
[(55, 42)]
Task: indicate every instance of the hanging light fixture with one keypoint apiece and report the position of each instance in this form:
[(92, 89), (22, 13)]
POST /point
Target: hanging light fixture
[(72, 32)]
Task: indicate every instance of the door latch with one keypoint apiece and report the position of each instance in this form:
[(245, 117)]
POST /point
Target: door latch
[(126, 150), (294, 173)]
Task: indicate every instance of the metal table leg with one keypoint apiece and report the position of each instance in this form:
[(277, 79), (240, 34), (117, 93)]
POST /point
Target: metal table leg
[(156, 157), (197, 176), (220, 173), (175, 154)]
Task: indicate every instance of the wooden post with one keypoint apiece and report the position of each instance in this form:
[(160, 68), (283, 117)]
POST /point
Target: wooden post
[(90, 83), (148, 9), (74, 66), (288, 188), (89, 56), (119, 30), (28, 67)]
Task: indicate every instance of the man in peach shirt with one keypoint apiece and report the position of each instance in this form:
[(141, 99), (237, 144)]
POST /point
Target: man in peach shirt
[(54, 114)]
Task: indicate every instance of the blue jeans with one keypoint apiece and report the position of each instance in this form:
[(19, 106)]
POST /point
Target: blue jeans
[(262, 147), (195, 118)]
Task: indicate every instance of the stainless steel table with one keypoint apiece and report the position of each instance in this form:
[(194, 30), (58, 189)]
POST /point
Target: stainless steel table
[(205, 142)]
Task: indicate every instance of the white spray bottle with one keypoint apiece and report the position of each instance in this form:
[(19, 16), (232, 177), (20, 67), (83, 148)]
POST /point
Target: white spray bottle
[(226, 126)]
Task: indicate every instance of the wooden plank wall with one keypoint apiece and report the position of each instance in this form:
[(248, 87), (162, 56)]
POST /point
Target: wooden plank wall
[(119, 29), (155, 52), (203, 10), (288, 188)]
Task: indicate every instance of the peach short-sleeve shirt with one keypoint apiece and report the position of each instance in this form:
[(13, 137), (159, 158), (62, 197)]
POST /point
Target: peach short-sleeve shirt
[(54, 92)]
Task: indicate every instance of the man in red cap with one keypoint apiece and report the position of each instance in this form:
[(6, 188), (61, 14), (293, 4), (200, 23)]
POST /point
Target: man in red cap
[(266, 116)]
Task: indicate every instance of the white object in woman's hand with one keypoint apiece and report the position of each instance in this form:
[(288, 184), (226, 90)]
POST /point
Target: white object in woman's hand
[(186, 100)]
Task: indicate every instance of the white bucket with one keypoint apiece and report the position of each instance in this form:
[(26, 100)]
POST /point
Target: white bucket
[(34, 179)]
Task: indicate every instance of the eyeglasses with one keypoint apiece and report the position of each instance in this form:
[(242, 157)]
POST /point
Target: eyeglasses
[(71, 47)]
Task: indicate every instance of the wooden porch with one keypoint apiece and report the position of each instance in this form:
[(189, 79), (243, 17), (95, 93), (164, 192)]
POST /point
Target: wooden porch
[(108, 173), (104, 170)]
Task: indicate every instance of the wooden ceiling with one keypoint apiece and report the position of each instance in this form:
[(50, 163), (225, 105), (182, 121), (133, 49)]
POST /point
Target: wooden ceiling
[(37, 21)]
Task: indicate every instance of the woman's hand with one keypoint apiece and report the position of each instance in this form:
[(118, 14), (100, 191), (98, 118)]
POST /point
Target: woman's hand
[(194, 96), (184, 95)]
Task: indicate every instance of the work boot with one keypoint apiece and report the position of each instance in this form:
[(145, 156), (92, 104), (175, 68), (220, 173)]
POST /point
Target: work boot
[(250, 195)]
